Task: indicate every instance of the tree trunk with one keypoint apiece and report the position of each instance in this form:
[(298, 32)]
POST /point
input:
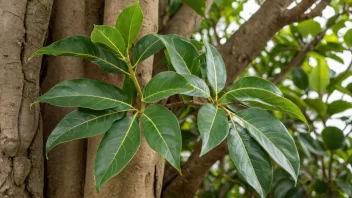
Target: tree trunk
[(143, 175), (65, 169), (23, 29)]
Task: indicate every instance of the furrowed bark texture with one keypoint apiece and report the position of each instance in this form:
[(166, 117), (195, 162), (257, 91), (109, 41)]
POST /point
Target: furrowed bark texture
[(143, 175), (65, 169), (238, 52), (23, 29)]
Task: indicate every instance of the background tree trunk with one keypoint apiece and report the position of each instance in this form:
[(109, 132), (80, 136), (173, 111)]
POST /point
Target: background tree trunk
[(65, 169), (143, 175), (23, 29)]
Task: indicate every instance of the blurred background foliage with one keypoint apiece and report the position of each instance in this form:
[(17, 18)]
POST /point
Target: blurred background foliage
[(311, 62)]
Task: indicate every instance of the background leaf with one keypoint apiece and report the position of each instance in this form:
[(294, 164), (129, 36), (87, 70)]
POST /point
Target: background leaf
[(196, 5), (300, 78), (212, 125), (250, 159), (333, 137), (162, 132), (348, 38), (82, 47), (116, 149), (309, 27), (86, 93), (319, 78), (129, 23), (82, 123), (163, 85), (338, 106), (272, 135)]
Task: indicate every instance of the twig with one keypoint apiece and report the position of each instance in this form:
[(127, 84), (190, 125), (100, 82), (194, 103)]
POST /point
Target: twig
[(323, 167), (330, 169)]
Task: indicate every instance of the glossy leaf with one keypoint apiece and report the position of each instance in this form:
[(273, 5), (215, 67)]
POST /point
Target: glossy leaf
[(200, 88), (348, 38), (263, 94), (86, 93), (338, 106), (319, 78), (250, 159), (82, 47), (162, 133), (196, 5), (116, 149), (213, 127), (253, 81), (130, 89), (110, 38), (146, 47), (163, 85), (181, 53), (272, 135), (309, 27), (317, 104), (129, 23), (216, 71), (310, 145), (82, 123), (333, 137), (300, 78)]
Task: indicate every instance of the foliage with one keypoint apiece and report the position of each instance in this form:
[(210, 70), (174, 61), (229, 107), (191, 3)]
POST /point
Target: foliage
[(320, 87), (238, 114)]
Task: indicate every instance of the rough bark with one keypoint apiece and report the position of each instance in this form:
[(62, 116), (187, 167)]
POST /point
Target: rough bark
[(23, 29), (143, 176), (65, 169), (237, 53)]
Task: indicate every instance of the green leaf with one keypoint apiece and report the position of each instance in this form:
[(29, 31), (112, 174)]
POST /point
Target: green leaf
[(216, 71), (345, 186), (272, 135), (300, 78), (146, 47), (348, 38), (253, 81), (250, 159), (213, 127), (260, 93), (200, 87), (309, 27), (129, 23), (110, 38), (310, 145), (333, 137), (116, 149), (181, 52), (163, 85), (319, 78), (320, 186), (162, 133), (82, 123), (82, 47), (196, 5), (86, 93), (317, 104), (338, 106), (130, 89)]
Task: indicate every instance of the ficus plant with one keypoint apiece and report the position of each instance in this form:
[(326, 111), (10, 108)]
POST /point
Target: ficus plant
[(195, 70)]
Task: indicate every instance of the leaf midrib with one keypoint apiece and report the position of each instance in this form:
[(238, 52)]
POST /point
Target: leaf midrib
[(117, 49), (162, 92), (249, 159), (118, 101)]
